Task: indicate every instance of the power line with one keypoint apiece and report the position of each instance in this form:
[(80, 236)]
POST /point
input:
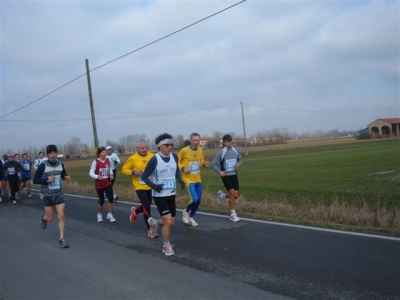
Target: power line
[(193, 111), (129, 53), (317, 111), (125, 117)]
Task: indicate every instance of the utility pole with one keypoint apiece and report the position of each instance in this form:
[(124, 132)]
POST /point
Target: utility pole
[(244, 129), (96, 140)]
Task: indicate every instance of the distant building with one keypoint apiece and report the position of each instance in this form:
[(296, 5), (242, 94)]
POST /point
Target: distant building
[(384, 128)]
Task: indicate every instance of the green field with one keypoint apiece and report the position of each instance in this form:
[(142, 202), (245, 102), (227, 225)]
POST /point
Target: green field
[(357, 174)]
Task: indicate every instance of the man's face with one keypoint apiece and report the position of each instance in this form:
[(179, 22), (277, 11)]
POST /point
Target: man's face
[(142, 149), (166, 149), (16, 157), (41, 155), (25, 157), (52, 155), (194, 142), (109, 151), (228, 143)]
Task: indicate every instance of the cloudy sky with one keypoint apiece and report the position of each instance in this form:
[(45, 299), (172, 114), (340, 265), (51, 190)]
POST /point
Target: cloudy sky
[(300, 65)]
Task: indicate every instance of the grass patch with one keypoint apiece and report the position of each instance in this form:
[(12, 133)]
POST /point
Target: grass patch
[(335, 183)]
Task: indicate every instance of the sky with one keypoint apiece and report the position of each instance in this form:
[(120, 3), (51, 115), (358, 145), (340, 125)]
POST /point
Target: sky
[(302, 66)]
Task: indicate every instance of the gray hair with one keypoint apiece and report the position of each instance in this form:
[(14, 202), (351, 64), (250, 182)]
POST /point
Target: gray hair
[(140, 142)]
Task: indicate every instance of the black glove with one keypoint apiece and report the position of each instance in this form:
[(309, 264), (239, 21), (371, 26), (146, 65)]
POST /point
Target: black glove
[(182, 184), (158, 188)]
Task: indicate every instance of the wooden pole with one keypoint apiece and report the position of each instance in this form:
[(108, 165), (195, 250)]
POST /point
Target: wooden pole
[(96, 140)]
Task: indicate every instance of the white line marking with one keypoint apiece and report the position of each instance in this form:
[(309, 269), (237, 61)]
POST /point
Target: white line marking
[(269, 222)]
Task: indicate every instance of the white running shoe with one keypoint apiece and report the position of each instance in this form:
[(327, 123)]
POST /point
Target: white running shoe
[(185, 217), (111, 217), (29, 196), (235, 218), (14, 202), (99, 218), (167, 250), (193, 222), (1, 200), (221, 197), (153, 223)]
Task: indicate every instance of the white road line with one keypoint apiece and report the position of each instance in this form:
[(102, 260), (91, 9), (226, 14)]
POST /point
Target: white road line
[(270, 222)]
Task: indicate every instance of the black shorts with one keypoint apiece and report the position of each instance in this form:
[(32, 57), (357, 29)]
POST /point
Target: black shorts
[(231, 182), (50, 200), (166, 205), (25, 179)]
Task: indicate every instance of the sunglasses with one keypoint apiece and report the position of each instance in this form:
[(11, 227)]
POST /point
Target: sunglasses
[(169, 145)]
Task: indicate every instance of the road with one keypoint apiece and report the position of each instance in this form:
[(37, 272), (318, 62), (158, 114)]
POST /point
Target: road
[(217, 260)]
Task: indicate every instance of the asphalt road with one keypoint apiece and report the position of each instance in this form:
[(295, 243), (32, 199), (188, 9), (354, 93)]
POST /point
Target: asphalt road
[(217, 260)]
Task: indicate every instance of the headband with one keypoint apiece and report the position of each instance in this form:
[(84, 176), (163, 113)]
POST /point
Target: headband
[(163, 142)]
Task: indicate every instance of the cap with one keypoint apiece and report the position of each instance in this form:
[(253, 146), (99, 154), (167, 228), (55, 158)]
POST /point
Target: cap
[(5, 156), (227, 137), (51, 148), (108, 147)]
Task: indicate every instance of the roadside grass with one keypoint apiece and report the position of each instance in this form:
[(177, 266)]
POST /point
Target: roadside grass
[(346, 184)]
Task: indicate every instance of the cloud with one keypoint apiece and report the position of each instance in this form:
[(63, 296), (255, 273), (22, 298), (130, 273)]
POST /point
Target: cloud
[(316, 61)]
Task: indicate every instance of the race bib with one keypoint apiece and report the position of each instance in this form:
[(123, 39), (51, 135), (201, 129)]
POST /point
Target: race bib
[(194, 167), (11, 171), (105, 172), (56, 184), (169, 184), (27, 166), (230, 164)]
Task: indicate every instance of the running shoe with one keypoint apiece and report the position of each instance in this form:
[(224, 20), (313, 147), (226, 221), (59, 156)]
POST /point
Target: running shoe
[(111, 217), (221, 197), (185, 217), (153, 224), (133, 216), (193, 223), (167, 250), (14, 202), (235, 218), (44, 223), (63, 243), (1, 200), (99, 218), (152, 234), (29, 195), (115, 198)]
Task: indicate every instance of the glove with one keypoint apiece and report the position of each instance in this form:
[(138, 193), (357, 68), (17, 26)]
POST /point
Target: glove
[(182, 185), (158, 188)]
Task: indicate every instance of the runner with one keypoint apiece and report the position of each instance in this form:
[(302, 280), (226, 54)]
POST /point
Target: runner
[(191, 160), (113, 157), (134, 168), (164, 168), (230, 160), (49, 175), (13, 168), (26, 174), (102, 173)]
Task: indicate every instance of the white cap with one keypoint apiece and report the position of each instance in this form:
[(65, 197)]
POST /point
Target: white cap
[(108, 147)]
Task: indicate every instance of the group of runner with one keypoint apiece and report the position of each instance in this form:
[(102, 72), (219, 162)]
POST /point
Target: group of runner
[(16, 174), (154, 177)]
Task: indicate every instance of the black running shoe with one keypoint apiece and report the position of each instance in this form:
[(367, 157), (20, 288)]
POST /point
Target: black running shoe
[(44, 223), (63, 243)]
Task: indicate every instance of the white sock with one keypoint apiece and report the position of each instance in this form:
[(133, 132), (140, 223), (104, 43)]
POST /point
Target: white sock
[(233, 212)]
